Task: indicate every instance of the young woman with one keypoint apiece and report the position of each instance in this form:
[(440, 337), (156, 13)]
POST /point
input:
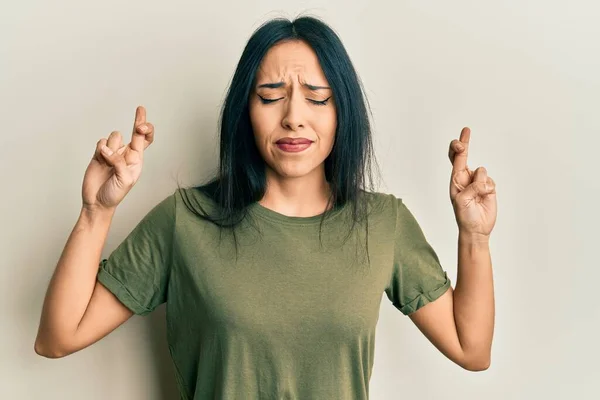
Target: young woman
[(273, 272)]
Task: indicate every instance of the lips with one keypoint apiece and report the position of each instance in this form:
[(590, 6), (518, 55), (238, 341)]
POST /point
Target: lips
[(288, 140)]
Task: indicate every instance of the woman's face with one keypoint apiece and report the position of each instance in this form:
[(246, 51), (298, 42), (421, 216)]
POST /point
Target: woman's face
[(292, 111)]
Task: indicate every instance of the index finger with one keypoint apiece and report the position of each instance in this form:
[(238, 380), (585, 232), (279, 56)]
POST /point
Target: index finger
[(137, 139), (460, 159)]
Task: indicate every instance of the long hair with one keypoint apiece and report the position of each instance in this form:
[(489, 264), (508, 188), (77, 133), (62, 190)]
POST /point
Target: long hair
[(241, 176)]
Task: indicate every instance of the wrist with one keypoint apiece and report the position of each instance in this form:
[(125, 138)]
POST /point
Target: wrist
[(96, 215), (473, 238)]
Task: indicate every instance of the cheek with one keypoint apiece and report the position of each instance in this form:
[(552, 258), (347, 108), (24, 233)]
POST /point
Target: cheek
[(262, 127), (259, 123), (263, 118), (327, 125), (254, 117)]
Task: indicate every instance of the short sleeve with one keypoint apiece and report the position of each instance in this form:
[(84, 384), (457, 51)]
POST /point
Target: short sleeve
[(417, 277), (137, 271)]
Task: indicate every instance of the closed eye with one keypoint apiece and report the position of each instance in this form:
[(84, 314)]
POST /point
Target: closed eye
[(316, 102)]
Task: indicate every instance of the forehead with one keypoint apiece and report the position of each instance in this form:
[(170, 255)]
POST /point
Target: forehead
[(290, 59)]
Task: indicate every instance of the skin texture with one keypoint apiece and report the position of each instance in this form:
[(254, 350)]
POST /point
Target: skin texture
[(461, 322), (78, 310), (296, 184)]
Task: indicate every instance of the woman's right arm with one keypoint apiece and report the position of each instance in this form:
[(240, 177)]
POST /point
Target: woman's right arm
[(78, 310)]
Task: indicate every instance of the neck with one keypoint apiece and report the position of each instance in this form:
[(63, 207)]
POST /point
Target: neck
[(303, 196)]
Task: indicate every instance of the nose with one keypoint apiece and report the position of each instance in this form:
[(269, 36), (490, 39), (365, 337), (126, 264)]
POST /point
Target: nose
[(293, 119)]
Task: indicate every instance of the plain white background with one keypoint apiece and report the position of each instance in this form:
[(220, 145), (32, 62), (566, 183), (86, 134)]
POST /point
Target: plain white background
[(523, 75)]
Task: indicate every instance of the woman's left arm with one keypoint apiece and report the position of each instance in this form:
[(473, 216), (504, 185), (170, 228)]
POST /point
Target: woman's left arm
[(461, 322)]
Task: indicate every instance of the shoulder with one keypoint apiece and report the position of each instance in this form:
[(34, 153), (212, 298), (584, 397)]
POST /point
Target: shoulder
[(383, 209), (391, 207), (171, 206), (193, 198), (380, 202)]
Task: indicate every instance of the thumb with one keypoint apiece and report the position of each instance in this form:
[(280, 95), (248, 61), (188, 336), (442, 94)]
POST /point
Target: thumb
[(478, 189)]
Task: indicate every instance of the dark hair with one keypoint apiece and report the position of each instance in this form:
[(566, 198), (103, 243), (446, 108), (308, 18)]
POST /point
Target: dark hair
[(241, 177)]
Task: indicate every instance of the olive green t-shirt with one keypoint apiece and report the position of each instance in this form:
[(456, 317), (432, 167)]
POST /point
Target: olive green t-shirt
[(294, 315)]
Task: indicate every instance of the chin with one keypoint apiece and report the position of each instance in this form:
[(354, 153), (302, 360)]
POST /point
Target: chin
[(294, 170)]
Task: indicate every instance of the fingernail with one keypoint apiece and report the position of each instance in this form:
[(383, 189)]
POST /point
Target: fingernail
[(142, 129), (106, 150)]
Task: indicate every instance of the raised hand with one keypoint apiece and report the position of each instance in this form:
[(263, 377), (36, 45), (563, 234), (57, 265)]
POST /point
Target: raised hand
[(472, 193), (115, 168)]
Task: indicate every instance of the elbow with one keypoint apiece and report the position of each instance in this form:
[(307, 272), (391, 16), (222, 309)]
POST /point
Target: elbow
[(477, 364), (42, 348)]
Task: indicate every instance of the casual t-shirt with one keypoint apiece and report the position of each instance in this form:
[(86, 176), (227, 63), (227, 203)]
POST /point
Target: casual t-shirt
[(291, 315)]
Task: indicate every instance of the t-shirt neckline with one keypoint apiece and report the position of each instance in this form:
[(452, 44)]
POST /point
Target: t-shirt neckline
[(261, 211)]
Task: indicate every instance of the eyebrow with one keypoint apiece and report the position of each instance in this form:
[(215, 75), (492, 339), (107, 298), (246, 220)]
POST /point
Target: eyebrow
[(280, 84)]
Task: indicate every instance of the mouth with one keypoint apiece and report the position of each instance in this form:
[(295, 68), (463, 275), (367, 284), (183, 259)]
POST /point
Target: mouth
[(289, 140), (293, 145)]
